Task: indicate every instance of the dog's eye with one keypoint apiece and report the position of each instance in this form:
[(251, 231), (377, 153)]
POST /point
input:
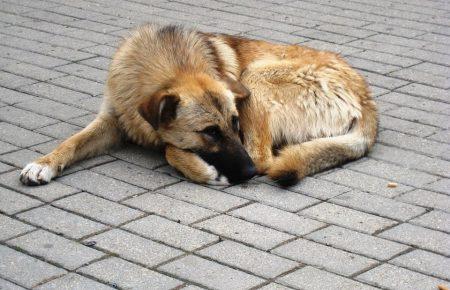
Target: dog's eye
[(212, 131), (235, 123)]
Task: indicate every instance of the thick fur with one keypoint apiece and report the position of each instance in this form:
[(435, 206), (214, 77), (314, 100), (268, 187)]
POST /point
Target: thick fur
[(166, 84)]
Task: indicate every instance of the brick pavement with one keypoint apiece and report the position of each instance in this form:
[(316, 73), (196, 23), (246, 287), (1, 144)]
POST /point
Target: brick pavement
[(126, 220)]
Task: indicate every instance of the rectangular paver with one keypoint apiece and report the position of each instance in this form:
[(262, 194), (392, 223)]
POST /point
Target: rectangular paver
[(425, 262), (13, 202), (74, 282), (10, 227)]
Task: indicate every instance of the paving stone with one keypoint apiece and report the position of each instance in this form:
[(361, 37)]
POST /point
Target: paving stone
[(348, 218), (378, 205), (55, 93), (9, 286), (134, 248), (438, 120), (22, 118), (10, 227), (441, 136), (273, 196), (144, 157), (365, 182), (98, 208), (171, 233), (437, 220), (425, 262), (392, 172), (79, 84), (277, 219), (19, 136), (274, 286), (83, 71), (13, 81), (425, 91), (13, 202), (6, 147), (249, 259), (416, 102), (404, 126), (25, 270), (136, 175), (5, 167), (52, 109), (203, 196), (115, 271), (101, 185), (60, 130), (420, 237), (210, 274), (61, 222), (54, 248), (170, 208), (312, 278), (355, 242), (422, 77), (325, 257), (427, 198), (72, 281), (392, 277), (372, 66), (47, 193), (383, 81), (243, 231), (32, 71), (20, 158), (442, 186)]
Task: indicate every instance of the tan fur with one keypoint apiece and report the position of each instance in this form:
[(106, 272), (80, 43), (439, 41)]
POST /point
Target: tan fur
[(310, 104)]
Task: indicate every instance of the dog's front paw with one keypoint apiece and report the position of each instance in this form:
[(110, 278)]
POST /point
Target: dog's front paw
[(37, 174), (214, 177)]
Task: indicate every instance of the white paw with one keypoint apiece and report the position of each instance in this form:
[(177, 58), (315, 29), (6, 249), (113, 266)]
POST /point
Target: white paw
[(37, 174), (215, 178)]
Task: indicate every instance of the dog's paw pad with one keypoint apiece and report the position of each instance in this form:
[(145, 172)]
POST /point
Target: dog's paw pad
[(37, 174)]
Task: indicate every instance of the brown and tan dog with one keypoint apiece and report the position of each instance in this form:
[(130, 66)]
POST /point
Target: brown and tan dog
[(225, 108)]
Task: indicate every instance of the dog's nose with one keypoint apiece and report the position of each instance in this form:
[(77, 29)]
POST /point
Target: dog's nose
[(249, 172)]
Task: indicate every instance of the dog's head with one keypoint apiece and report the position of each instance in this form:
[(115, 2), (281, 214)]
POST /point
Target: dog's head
[(198, 113)]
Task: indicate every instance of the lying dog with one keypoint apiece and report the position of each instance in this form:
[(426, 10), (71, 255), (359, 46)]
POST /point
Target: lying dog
[(225, 108)]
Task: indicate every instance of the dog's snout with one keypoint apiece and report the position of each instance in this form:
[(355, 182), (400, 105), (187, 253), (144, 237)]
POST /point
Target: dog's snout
[(249, 172)]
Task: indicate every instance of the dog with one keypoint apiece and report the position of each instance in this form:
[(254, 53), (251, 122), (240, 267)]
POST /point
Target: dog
[(225, 108)]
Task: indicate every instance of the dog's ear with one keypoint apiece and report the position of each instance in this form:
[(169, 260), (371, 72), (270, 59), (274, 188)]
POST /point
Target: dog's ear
[(160, 109), (238, 89)]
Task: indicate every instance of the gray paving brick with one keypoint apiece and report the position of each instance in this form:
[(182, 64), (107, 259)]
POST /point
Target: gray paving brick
[(101, 185), (386, 58), (80, 84), (137, 155), (323, 35), (19, 136), (82, 121), (426, 92), (425, 262), (420, 237), (405, 126), (136, 175), (394, 30), (338, 48), (52, 109), (414, 115), (379, 47), (442, 186), (348, 218), (325, 257), (435, 219), (115, 271), (13, 81), (73, 281), (55, 93), (98, 208), (441, 136), (392, 277), (365, 182), (60, 130), (20, 158), (210, 274), (249, 259), (275, 36), (5, 167), (411, 159), (22, 118), (372, 66), (97, 62), (33, 72), (171, 233), (61, 222), (54, 248), (277, 219), (274, 286), (243, 231), (272, 195), (84, 72), (378, 205), (10, 227), (170, 208), (134, 248), (427, 198), (312, 278), (46, 193), (392, 172), (9, 286), (13, 202), (6, 147), (25, 270), (416, 102), (203, 196), (355, 242), (383, 81)]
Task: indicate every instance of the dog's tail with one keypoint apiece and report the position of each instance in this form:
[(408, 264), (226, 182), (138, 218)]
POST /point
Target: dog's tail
[(297, 161)]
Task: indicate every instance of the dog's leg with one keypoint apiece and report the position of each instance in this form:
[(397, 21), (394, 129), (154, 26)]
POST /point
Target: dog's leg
[(194, 167), (99, 135)]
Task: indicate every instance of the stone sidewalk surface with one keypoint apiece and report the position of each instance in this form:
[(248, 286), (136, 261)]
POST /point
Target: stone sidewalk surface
[(126, 220)]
